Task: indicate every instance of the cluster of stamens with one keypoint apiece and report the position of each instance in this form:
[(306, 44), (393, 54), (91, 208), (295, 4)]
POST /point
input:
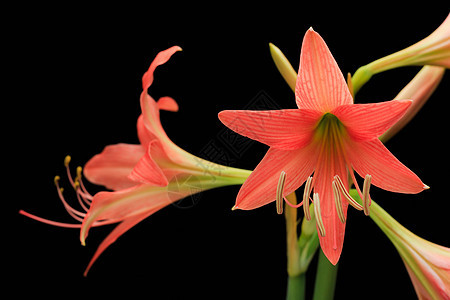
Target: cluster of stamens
[(83, 196), (339, 192)]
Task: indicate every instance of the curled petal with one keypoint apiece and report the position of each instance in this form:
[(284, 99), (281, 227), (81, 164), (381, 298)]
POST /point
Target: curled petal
[(167, 103), (161, 58)]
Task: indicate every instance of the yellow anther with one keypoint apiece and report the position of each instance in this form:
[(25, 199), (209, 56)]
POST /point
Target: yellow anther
[(348, 197), (56, 179), (79, 170), (76, 184), (279, 194), (67, 160), (338, 202), (365, 194), (306, 194), (318, 214)]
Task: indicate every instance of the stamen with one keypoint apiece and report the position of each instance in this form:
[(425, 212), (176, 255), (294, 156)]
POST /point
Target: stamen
[(305, 202), (338, 202), (66, 164), (318, 214), (279, 194), (348, 197), (365, 194), (70, 210)]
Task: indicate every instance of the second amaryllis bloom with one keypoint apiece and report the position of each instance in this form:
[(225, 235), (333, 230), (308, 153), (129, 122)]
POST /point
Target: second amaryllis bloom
[(145, 177), (322, 143)]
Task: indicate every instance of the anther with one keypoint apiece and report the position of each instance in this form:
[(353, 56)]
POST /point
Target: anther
[(338, 202), (279, 194), (365, 194), (306, 194), (318, 214), (348, 197), (56, 180), (67, 160)]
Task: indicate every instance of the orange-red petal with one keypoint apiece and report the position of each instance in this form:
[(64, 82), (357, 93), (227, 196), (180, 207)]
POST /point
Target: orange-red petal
[(112, 166), (260, 187), (285, 129), (161, 58), (373, 158), (331, 162), (320, 83), (147, 169), (369, 121)]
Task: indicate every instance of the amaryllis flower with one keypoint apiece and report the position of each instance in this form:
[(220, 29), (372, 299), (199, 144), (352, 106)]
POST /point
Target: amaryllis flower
[(145, 177), (432, 50), (327, 135), (428, 264)]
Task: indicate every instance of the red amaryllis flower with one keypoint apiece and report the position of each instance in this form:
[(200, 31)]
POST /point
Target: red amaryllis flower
[(147, 177), (327, 135)]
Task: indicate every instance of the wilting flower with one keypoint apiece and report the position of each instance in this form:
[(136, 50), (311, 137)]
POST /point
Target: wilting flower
[(327, 135), (432, 50), (146, 177), (428, 264)]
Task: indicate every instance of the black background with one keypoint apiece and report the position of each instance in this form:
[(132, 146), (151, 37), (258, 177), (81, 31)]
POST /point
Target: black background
[(76, 80)]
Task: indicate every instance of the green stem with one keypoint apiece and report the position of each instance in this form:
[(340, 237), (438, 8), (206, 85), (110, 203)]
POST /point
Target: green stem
[(296, 287), (325, 279)]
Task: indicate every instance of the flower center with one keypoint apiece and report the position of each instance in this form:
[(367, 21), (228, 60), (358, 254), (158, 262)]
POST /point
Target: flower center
[(330, 130)]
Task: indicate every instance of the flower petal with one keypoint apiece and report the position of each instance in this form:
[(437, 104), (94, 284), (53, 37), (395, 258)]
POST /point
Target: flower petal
[(113, 165), (161, 58), (115, 234), (167, 103), (127, 203), (285, 129), (260, 187), (330, 162), (320, 83), (372, 157), (151, 120), (147, 169), (369, 121)]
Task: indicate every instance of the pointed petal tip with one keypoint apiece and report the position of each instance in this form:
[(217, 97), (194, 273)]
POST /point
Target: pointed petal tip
[(425, 187), (333, 257), (234, 208)]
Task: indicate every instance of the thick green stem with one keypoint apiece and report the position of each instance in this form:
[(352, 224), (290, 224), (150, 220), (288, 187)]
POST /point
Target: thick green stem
[(325, 279), (296, 287)]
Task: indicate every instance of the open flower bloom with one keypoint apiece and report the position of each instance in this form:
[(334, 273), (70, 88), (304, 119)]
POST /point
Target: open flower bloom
[(327, 135), (428, 264), (432, 50), (145, 177)]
